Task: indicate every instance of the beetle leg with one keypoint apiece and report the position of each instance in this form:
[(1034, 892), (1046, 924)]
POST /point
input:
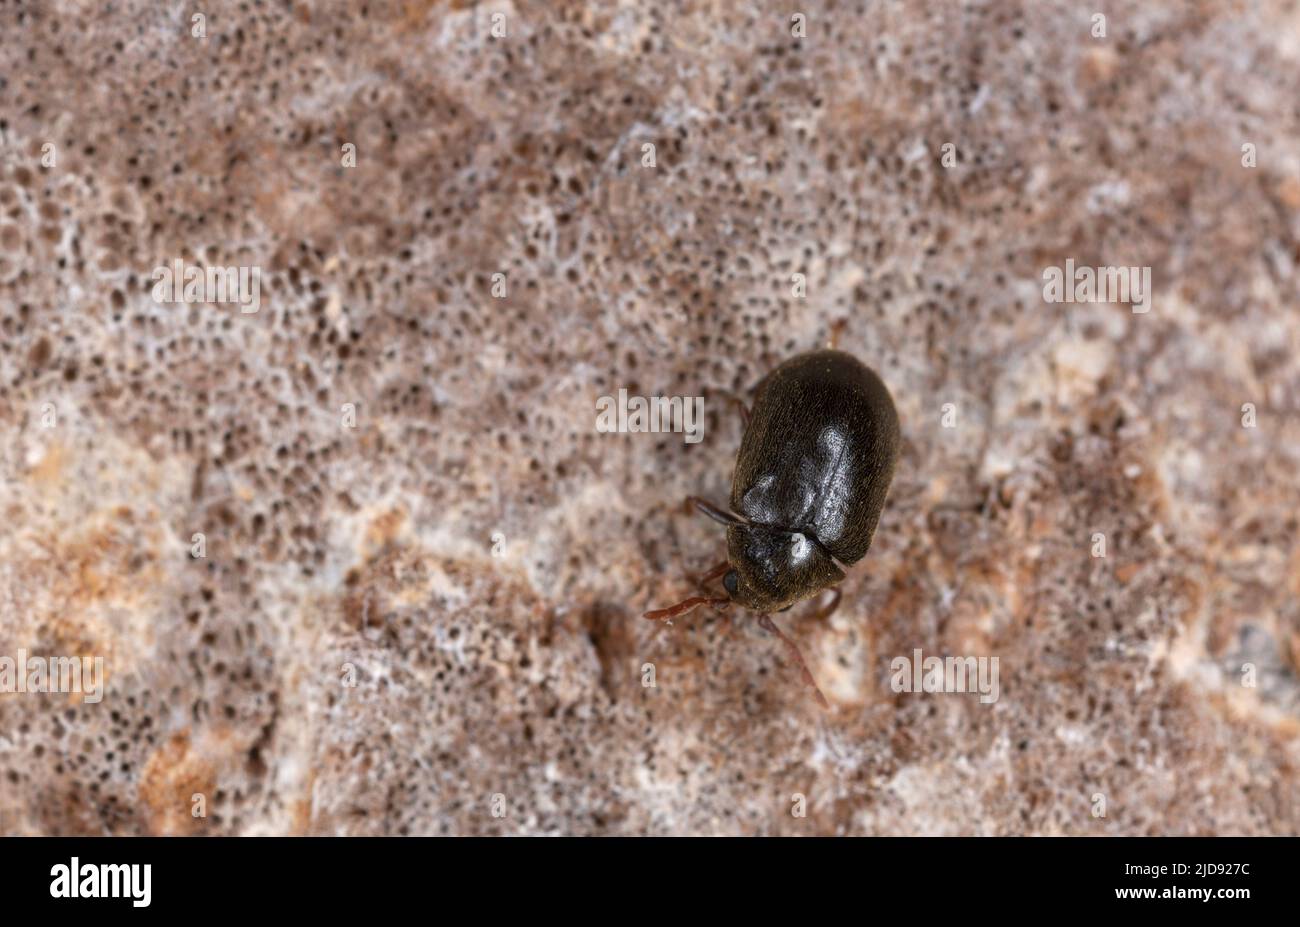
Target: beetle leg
[(711, 510), (705, 578), (837, 329), (684, 606), (740, 404), (744, 409), (766, 622), (829, 608)]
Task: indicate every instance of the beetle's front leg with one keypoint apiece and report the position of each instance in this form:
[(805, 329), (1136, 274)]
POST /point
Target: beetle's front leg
[(717, 572), (743, 407), (829, 608), (766, 623)]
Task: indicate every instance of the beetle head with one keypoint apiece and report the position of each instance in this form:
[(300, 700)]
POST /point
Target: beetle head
[(772, 568)]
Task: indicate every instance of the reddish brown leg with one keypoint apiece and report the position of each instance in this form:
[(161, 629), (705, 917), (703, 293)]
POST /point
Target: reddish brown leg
[(744, 409), (829, 608), (713, 574), (685, 606), (837, 329), (740, 403), (718, 571), (766, 622)]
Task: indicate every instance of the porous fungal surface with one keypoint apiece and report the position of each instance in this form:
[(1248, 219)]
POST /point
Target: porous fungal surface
[(361, 561)]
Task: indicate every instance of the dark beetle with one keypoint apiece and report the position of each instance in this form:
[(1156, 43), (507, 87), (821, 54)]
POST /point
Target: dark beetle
[(815, 464)]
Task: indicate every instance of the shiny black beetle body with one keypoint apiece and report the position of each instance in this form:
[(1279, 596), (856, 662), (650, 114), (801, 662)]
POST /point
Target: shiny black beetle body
[(814, 467)]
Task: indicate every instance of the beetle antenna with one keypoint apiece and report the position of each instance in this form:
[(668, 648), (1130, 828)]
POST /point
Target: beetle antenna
[(711, 510), (686, 605), (766, 622)]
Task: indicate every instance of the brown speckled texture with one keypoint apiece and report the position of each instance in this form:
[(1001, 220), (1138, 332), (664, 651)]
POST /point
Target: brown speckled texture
[(520, 675)]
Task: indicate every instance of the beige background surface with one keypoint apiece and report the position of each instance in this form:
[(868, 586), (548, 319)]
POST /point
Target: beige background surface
[(520, 675)]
